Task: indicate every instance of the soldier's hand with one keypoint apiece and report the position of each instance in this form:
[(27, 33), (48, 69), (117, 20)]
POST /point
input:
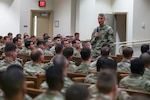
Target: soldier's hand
[(96, 34)]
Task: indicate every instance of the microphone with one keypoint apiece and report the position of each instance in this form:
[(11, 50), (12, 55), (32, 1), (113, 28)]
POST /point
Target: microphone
[(97, 29)]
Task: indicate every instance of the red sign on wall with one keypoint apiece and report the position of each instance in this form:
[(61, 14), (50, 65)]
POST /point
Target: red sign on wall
[(42, 3)]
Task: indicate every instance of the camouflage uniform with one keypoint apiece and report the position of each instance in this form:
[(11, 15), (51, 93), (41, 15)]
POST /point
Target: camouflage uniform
[(47, 52), (120, 95), (2, 47), (67, 83), (124, 66), (147, 73), (52, 50), (106, 36), (76, 52), (30, 68), (91, 78), (83, 68), (50, 95), (5, 63), (26, 97), (72, 67), (102, 97), (25, 51), (135, 82)]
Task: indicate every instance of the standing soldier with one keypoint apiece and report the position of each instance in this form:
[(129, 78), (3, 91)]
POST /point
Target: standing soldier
[(103, 34)]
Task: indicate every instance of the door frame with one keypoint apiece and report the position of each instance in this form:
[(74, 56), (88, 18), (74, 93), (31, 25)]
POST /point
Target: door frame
[(51, 17)]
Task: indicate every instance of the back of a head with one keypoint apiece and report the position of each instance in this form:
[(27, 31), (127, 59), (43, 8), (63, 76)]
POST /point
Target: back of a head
[(105, 51), (137, 66), (106, 63), (144, 48), (146, 58), (12, 80), (68, 52), (58, 48), (9, 47), (85, 53), (60, 61), (127, 52), (106, 81), (35, 54), (77, 92), (15, 39), (54, 78)]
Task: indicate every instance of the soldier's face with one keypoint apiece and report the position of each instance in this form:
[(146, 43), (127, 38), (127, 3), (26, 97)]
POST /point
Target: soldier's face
[(101, 20)]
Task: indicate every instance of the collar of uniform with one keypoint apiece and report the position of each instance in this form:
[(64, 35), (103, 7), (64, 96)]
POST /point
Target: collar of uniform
[(53, 92), (104, 96), (128, 61)]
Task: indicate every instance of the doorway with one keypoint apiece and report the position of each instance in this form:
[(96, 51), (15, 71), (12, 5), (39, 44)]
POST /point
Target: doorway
[(41, 22)]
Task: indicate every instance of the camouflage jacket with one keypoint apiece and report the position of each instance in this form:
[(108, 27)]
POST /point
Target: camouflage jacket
[(72, 67), (124, 66), (83, 68), (91, 78), (147, 73)]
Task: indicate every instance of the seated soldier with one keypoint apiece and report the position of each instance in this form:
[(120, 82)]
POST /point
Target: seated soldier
[(144, 48), (55, 82), (105, 52), (106, 85), (10, 56), (58, 50), (29, 46), (146, 58), (13, 84), (56, 41), (65, 43), (105, 63), (135, 80), (86, 60), (61, 62), (86, 44), (77, 92), (40, 44), (124, 65), (68, 53), (6, 40), (17, 42), (76, 47), (102, 63), (47, 46), (36, 66)]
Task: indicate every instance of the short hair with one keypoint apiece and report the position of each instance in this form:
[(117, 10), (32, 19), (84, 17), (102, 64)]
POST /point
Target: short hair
[(68, 52), (106, 63), (74, 41), (137, 66), (76, 34), (27, 43), (144, 48), (5, 37), (84, 43), (40, 42), (15, 39), (58, 48), (77, 92), (63, 41), (101, 14), (106, 81), (12, 80), (105, 51), (9, 47), (127, 52), (146, 58), (9, 33), (32, 36), (54, 76), (85, 53), (55, 38), (60, 61), (1, 37), (35, 54)]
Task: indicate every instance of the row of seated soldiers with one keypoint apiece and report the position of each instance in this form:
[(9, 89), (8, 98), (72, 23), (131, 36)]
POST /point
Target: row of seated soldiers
[(46, 44), (13, 83), (136, 80)]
